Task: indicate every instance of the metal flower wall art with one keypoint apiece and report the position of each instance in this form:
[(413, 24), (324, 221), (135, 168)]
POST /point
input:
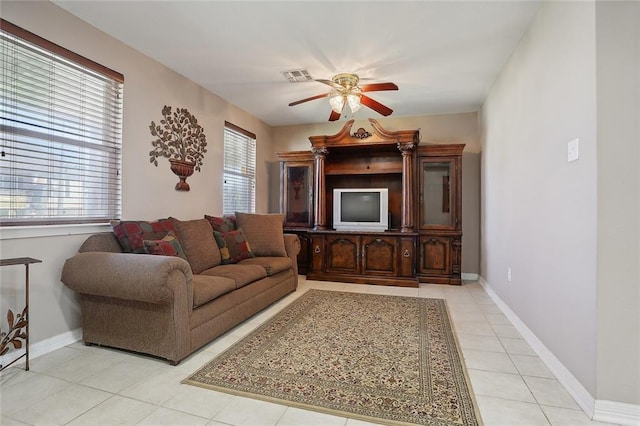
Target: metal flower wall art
[(180, 139)]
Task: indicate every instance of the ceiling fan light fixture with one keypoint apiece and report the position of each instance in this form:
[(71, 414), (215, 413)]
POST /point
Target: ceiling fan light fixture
[(353, 99), (336, 100), (345, 90)]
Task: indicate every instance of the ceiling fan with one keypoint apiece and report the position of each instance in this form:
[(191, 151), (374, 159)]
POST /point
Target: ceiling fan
[(345, 90)]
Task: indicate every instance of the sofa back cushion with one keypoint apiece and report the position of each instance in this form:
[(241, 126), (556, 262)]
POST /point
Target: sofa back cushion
[(264, 232), (196, 238)]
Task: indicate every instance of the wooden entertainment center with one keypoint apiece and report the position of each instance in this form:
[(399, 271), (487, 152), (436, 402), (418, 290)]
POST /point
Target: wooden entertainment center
[(424, 239)]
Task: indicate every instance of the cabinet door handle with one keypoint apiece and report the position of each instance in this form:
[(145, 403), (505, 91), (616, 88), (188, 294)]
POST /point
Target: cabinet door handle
[(406, 253), (316, 250)]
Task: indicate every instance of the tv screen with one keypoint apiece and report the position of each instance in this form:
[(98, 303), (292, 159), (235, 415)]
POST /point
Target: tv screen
[(360, 207)]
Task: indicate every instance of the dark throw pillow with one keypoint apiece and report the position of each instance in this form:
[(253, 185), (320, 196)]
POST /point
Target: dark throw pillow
[(233, 245), (132, 233), (168, 246), (222, 224)]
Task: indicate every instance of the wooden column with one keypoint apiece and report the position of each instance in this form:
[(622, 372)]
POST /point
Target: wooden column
[(319, 207), (407, 150)]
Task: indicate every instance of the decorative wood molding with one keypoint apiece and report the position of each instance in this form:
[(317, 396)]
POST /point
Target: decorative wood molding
[(361, 137), (441, 150), (361, 134), (295, 155), (407, 147), (319, 152)]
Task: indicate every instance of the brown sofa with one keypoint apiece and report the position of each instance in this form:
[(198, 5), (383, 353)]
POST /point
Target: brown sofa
[(171, 305)]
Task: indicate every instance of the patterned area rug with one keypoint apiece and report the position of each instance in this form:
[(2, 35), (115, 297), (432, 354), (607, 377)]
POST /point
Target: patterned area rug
[(385, 359)]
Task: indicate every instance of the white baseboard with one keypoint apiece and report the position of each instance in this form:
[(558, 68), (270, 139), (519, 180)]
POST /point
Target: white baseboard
[(584, 399), (599, 410), (43, 347), (617, 412), (469, 277)]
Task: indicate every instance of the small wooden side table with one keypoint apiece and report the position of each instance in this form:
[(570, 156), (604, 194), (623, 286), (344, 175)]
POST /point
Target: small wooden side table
[(15, 336)]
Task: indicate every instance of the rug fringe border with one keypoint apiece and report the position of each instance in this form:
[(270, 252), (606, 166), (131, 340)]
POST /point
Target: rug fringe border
[(288, 403)]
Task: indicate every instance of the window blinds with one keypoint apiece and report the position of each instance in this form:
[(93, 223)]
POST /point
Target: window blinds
[(239, 170), (60, 134)]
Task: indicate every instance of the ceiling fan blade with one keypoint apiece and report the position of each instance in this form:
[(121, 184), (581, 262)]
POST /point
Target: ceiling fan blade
[(376, 87), (375, 105), (312, 98), (334, 116), (329, 83)]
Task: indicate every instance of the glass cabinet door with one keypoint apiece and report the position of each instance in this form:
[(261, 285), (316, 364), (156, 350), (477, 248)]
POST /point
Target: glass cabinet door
[(437, 205), (298, 194)]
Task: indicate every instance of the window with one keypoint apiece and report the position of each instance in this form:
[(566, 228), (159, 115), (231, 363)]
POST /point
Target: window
[(60, 134), (239, 189)]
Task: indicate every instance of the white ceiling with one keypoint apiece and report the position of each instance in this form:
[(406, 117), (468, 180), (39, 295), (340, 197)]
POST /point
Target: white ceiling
[(443, 55)]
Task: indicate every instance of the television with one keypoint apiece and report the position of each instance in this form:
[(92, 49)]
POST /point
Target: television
[(360, 209)]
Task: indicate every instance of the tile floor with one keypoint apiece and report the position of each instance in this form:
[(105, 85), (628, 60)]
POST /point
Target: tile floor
[(78, 385)]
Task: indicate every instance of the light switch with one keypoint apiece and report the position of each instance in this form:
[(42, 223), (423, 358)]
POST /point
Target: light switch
[(573, 150)]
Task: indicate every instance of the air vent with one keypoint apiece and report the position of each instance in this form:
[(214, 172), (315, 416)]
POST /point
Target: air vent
[(297, 76)]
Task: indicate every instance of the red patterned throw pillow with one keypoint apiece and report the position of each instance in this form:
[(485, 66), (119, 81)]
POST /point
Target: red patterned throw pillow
[(132, 233), (222, 224), (168, 246), (233, 246)]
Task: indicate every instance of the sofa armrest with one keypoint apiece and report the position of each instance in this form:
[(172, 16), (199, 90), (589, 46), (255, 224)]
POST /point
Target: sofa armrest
[(128, 276), (292, 247)]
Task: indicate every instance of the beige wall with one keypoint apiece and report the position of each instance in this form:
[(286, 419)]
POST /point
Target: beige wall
[(570, 231), (148, 191), (439, 129), (538, 210), (618, 70)]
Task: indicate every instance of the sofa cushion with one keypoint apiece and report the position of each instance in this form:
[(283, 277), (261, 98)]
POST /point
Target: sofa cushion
[(168, 246), (233, 246), (208, 287), (264, 232), (222, 224), (241, 274), (272, 265), (132, 233), (196, 237)]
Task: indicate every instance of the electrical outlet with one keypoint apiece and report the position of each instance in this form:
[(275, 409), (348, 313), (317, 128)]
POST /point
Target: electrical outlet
[(509, 274)]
